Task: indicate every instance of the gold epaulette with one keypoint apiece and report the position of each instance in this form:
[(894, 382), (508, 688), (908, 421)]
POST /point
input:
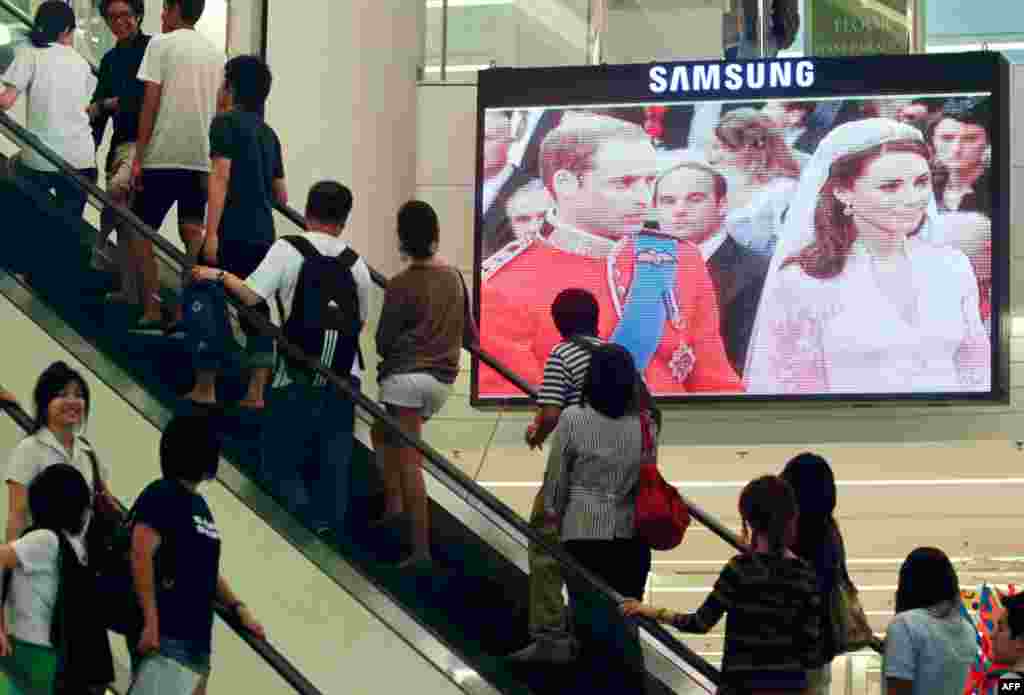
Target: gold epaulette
[(501, 258)]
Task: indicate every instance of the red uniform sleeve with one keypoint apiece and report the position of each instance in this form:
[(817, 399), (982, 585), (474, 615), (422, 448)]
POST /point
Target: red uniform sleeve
[(711, 370), (507, 331)]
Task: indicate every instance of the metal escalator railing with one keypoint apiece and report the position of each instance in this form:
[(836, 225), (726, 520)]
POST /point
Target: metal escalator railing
[(701, 516), (457, 482), (274, 658)]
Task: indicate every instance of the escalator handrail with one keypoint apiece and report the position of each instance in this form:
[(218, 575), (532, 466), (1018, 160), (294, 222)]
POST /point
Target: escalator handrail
[(380, 280), (443, 470), (274, 658)]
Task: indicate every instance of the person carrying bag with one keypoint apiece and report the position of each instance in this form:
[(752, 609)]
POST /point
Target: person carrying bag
[(58, 645), (661, 517)]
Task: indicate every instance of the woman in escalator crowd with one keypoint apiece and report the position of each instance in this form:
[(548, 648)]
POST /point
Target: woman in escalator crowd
[(818, 542), (773, 629), (422, 326), (59, 84), (56, 632), (61, 399)]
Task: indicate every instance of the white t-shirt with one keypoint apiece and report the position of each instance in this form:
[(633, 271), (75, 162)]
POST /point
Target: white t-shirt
[(190, 70), (279, 274), (58, 84), (39, 451), (34, 584)]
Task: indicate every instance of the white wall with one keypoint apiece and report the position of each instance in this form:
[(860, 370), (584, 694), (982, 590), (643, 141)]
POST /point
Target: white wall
[(329, 637), (344, 105)]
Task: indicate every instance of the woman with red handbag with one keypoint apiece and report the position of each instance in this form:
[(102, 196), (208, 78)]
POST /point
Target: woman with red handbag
[(597, 450)]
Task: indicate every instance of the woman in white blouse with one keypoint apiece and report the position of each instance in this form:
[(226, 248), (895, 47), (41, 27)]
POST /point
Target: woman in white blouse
[(59, 84), (858, 299), (62, 406)]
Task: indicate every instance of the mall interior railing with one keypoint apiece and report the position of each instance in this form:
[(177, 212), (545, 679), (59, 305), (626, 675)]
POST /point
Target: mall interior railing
[(440, 468)]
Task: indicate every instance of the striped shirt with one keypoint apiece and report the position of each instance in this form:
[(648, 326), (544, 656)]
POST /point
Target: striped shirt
[(592, 472), (773, 630), (564, 374)]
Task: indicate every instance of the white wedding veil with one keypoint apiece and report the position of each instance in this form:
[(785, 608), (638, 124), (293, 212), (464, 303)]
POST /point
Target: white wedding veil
[(797, 232)]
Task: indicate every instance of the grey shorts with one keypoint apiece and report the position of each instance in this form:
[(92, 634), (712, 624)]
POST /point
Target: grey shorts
[(420, 392)]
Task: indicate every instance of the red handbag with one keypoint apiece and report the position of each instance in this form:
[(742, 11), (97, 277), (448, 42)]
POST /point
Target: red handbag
[(661, 517)]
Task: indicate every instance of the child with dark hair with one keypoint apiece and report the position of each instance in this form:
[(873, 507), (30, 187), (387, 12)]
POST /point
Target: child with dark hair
[(175, 531), (773, 629), (929, 645), (246, 180), (1007, 645), (53, 600), (575, 314), (424, 323), (61, 398), (59, 83)]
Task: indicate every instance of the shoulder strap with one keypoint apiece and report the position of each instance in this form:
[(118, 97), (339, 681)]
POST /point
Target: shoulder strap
[(348, 258), (95, 461), (302, 245)]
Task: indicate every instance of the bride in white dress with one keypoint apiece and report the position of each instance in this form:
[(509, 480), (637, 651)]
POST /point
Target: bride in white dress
[(857, 300)]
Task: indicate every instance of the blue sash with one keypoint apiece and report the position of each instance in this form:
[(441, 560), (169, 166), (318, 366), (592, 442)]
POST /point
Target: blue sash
[(651, 300)]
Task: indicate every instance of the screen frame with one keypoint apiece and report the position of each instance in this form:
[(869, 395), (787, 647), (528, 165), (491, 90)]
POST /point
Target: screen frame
[(892, 76)]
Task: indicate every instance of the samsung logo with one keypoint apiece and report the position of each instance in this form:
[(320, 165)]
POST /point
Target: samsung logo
[(732, 76)]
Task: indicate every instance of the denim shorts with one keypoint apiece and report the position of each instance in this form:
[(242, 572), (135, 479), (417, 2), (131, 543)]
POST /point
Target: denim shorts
[(179, 651), (162, 675)]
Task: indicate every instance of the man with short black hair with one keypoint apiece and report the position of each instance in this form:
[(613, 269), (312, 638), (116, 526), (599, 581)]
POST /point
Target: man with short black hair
[(182, 72), (246, 179), (172, 656), (118, 97), (302, 415), (575, 315)]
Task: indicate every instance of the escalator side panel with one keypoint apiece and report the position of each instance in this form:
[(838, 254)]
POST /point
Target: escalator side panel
[(478, 608)]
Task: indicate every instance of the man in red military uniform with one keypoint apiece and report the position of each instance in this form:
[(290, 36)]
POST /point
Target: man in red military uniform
[(600, 171)]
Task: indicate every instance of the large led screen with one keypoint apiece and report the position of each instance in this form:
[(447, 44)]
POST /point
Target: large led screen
[(769, 230)]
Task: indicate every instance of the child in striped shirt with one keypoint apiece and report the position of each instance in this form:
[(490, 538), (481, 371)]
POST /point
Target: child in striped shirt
[(773, 628)]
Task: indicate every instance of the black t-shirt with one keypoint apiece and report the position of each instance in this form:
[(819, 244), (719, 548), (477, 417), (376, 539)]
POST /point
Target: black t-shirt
[(255, 154), (118, 77), (189, 555)]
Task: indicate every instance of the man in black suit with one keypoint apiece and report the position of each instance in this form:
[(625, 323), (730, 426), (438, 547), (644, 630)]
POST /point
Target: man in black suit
[(691, 198)]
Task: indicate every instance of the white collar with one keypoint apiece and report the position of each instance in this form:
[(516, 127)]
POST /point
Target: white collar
[(709, 246), (577, 241), (46, 436)]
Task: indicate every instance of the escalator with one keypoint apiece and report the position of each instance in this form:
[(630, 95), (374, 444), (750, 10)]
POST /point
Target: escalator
[(472, 611), (461, 618)]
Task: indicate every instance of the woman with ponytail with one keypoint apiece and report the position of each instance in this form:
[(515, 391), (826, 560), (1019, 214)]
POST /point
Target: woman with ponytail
[(59, 83), (773, 629), (819, 543)]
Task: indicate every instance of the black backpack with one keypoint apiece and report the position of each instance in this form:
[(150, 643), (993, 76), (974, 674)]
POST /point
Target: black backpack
[(325, 320)]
